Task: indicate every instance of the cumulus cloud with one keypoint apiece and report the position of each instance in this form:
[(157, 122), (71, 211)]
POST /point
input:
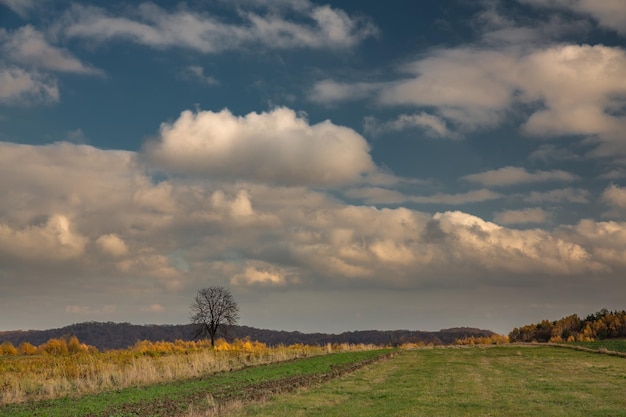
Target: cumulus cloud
[(127, 235), (54, 240), (112, 244), (258, 273), (27, 46), (151, 25), (615, 197), (554, 90), (18, 86), (277, 146), (514, 175), (529, 215)]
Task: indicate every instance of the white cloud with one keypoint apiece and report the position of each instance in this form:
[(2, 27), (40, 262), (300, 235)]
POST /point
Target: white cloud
[(615, 197), (263, 274), (277, 146), (151, 25), (515, 175), (112, 244), (23, 87), (530, 215), (27, 46), (54, 240), (555, 90), (454, 81), (578, 85)]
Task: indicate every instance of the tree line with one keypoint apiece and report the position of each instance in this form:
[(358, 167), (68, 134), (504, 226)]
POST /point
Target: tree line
[(604, 324)]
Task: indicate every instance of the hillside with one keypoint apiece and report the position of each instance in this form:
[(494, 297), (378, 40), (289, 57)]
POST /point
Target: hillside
[(121, 335)]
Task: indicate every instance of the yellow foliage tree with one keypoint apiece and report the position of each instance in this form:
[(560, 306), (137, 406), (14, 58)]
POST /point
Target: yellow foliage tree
[(26, 348), (7, 349), (54, 347)]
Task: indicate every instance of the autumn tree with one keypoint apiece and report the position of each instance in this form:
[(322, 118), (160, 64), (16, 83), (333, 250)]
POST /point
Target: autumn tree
[(26, 348), (7, 349), (212, 309)]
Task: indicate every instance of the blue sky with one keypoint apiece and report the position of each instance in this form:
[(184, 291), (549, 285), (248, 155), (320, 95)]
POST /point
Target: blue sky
[(340, 166)]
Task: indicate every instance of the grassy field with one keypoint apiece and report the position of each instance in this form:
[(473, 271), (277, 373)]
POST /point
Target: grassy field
[(178, 398), (615, 345), (497, 381)]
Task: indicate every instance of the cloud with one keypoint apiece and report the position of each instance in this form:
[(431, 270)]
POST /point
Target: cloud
[(258, 273), (553, 90), (530, 215), (54, 240), (18, 86), (27, 46), (376, 195), (90, 310), (615, 197), (21, 7), (111, 244), (432, 125), (126, 236), (196, 73), (330, 91), (277, 146), (549, 153), (379, 195), (609, 13), (475, 196), (514, 175), (571, 195), (148, 24)]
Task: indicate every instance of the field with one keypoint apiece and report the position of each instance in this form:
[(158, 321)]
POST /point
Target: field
[(201, 393), (495, 381), (508, 380), (615, 345)]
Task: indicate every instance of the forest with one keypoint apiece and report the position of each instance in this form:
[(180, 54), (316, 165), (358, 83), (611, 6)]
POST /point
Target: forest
[(603, 324)]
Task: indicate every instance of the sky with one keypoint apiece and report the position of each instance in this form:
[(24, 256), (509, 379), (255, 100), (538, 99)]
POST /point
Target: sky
[(338, 166)]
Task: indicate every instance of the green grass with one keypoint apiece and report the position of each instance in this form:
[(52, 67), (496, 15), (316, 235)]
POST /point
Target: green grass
[(615, 345), (172, 398), (498, 381)]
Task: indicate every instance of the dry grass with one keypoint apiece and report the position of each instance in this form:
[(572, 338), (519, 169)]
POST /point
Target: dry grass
[(28, 378)]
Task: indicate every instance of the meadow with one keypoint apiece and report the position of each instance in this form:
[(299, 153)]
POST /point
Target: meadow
[(475, 381), (250, 379)]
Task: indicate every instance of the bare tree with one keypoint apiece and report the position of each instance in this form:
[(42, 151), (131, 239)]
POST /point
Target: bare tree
[(212, 309)]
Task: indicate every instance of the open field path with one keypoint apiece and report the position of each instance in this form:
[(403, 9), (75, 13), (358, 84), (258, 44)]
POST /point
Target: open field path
[(496, 381)]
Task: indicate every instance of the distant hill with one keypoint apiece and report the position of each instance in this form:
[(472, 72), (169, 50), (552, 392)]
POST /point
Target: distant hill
[(110, 335)]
